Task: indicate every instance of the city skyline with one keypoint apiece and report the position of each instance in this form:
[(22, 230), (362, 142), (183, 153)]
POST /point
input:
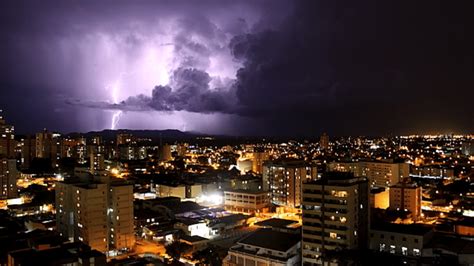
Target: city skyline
[(243, 68)]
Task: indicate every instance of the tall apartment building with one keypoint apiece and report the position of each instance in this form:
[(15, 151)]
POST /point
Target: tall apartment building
[(99, 214), (380, 174), (324, 141), (124, 139), (335, 215), (165, 153), (97, 164), (284, 178), (7, 139), (258, 159), (28, 150), (48, 145), (406, 197), (8, 178)]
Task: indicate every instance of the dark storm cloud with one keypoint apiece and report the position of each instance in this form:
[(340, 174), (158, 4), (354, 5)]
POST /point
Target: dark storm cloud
[(361, 67), (188, 91)]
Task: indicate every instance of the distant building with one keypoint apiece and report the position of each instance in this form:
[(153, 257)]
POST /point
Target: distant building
[(48, 145), (258, 159), (165, 153), (8, 177), (284, 178), (99, 214), (192, 227), (379, 173), (400, 239), (335, 215), (246, 201), (96, 160), (432, 171), (324, 141), (266, 247), (379, 198), (28, 151), (124, 139), (406, 197), (181, 191), (468, 148), (7, 139), (244, 165)]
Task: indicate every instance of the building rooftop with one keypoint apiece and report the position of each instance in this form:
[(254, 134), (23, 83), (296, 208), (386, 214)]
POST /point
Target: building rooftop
[(338, 178), (409, 229), (276, 223), (270, 239), (193, 239), (244, 191)]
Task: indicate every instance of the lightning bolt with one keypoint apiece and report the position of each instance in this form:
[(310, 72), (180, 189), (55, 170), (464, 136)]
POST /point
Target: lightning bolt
[(115, 89), (117, 114)]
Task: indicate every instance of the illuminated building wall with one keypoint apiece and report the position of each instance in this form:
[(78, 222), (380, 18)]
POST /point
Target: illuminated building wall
[(165, 153), (380, 198), (8, 178), (48, 145), (406, 197), (380, 174), (246, 201), (28, 151), (98, 214), (7, 139), (96, 161), (283, 180), (335, 215), (324, 142), (258, 159)]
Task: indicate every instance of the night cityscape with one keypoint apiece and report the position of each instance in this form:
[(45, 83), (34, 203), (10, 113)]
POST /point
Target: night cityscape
[(236, 133)]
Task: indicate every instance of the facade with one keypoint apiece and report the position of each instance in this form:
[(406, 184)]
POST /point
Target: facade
[(258, 159), (380, 174), (266, 247), (48, 145), (432, 171), (406, 197), (468, 148), (180, 191), (246, 201), (8, 178), (335, 215), (7, 139), (124, 139), (28, 151), (165, 153), (96, 213), (400, 239), (97, 163), (324, 142), (379, 198), (284, 178)]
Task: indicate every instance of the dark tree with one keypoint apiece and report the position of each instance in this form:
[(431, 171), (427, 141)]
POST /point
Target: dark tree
[(176, 249)]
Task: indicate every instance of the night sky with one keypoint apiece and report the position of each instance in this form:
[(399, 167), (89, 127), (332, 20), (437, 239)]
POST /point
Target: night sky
[(294, 68)]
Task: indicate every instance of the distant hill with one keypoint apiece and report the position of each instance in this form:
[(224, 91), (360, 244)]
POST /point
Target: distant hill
[(166, 135)]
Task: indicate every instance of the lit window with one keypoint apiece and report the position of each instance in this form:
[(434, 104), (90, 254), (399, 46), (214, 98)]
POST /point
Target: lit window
[(392, 249), (404, 251), (332, 235), (382, 247)]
